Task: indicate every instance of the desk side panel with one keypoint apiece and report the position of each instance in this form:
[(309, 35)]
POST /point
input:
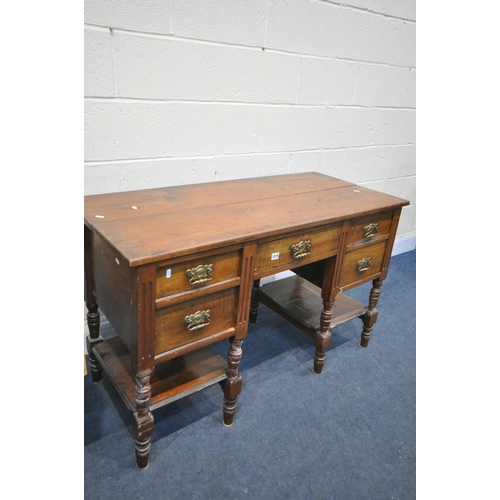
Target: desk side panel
[(113, 287)]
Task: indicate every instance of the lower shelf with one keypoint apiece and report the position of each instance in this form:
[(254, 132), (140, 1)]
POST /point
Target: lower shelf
[(299, 301), (171, 380)]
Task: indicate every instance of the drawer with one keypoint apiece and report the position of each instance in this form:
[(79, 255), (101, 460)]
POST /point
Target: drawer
[(301, 248), (369, 228), (192, 320), (362, 264), (197, 273)]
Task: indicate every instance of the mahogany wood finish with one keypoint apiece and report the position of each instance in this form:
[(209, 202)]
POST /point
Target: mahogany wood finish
[(358, 234), (174, 278), (143, 419), (172, 330), (176, 269), (233, 383), (93, 317), (299, 301), (352, 274), (254, 302), (170, 380), (370, 317), (322, 244)]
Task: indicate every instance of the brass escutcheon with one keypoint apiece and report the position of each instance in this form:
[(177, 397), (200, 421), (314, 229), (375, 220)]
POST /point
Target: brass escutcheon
[(200, 274), (371, 230), (301, 249), (364, 264), (197, 320)]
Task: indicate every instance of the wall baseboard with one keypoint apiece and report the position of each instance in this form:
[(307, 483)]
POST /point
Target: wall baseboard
[(404, 244)]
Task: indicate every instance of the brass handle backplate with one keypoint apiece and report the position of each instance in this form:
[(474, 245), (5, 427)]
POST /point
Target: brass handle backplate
[(197, 320), (301, 249), (371, 230), (364, 264), (200, 274)]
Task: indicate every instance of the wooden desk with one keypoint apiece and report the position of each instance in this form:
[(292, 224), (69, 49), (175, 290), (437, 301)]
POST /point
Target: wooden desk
[(177, 269)]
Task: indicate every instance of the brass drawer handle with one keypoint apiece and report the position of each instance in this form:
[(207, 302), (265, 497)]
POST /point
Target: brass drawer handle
[(301, 249), (198, 320), (371, 230), (200, 274), (364, 264)]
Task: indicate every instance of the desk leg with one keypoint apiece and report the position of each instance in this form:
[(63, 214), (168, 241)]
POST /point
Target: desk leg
[(143, 418), (254, 301), (232, 386), (93, 322), (323, 337), (371, 315)]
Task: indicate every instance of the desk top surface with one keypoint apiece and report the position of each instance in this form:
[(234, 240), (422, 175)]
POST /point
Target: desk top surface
[(152, 225)]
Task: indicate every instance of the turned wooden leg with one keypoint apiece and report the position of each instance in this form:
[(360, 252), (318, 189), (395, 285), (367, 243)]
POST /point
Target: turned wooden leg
[(93, 322), (371, 315), (143, 422), (323, 337), (254, 302), (232, 386)]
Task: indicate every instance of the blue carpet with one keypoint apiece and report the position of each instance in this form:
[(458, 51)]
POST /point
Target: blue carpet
[(348, 433)]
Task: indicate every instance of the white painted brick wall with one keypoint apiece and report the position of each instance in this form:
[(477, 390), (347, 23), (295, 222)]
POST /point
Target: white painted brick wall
[(98, 69), (327, 81), (149, 67), (149, 16), (215, 128), (239, 22), (121, 129), (254, 75), (188, 91)]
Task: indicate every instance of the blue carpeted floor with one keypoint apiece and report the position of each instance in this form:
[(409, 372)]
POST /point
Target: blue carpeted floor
[(348, 433)]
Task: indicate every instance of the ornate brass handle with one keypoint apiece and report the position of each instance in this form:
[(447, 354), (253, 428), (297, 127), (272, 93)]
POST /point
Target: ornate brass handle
[(200, 274), (364, 264), (198, 320), (301, 249), (371, 230)]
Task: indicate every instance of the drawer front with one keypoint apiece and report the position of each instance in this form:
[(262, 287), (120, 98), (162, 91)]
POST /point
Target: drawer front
[(368, 228), (362, 264), (197, 273), (186, 322), (300, 249)]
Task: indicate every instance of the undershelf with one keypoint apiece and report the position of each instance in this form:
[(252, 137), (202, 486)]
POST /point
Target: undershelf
[(170, 381), (300, 302)]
